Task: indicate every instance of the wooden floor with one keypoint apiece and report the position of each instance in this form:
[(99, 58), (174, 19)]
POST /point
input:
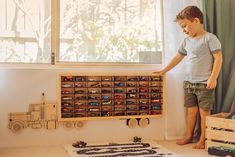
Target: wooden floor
[(58, 151), (186, 150)]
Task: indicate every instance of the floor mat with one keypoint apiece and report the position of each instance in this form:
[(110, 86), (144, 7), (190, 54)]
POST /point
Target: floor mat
[(140, 149)]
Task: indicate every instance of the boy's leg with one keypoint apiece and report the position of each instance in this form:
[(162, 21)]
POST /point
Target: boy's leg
[(190, 125), (201, 143), (206, 99)]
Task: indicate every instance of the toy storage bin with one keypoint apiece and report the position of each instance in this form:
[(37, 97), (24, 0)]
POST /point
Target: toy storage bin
[(220, 131)]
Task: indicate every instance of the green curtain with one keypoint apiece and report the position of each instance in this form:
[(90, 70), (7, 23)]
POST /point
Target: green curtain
[(219, 19)]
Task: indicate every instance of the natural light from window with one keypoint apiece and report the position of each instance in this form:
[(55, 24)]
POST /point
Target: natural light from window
[(25, 31), (117, 31)]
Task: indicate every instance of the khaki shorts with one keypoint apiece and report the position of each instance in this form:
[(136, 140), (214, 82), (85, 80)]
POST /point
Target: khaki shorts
[(196, 94)]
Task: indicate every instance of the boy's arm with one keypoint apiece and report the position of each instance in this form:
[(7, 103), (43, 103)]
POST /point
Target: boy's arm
[(178, 57), (212, 81)]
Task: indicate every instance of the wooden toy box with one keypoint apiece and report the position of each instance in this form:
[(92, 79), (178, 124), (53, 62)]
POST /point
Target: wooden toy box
[(220, 131)]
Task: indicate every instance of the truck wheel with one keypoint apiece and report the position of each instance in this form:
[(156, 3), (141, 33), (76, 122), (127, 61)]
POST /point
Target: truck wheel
[(143, 122), (16, 126), (68, 125), (80, 124), (132, 123)]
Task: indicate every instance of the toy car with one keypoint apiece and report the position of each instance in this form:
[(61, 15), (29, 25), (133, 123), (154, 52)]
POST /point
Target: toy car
[(67, 78), (118, 91), (129, 95), (79, 144), (106, 102), (94, 109), (132, 90), (143, 90), (143, 107), (80, 91), (92, 79), (107, 79), (119, 84), (143, 102), (66, 92), (95, 85), (66, 104), (143, 84), (92, 97), (132, 79), (129, 102), (105, 85), (136, 139), (93, 91), (143, 78), (93, 104), (80, 78), (80, 85), (118, 96), (118, 102), (143, 96), (66, 98), (131, 84), (156, 78), (105, 97), (105, 91), (66, 85), (80, 97), (155, 100)]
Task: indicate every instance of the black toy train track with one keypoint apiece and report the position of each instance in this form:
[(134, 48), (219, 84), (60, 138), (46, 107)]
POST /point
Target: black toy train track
[(118, 150)]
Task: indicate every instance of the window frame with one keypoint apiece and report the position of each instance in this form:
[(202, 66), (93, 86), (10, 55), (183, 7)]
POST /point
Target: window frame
[(55, 49), (55, 43)]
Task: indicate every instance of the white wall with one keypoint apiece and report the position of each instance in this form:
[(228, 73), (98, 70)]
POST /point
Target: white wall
[(20, 87)]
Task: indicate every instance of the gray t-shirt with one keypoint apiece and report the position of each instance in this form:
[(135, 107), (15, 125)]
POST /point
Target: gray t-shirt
[(199, 56)]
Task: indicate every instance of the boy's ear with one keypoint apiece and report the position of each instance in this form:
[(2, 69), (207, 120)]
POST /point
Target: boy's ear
[(196, 20)]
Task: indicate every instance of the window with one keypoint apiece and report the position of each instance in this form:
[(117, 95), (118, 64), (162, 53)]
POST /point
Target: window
[(25, 31), (125, 31), (81, 31)]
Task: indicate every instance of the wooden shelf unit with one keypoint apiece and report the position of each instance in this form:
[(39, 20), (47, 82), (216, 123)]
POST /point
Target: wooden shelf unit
[(103, 96)]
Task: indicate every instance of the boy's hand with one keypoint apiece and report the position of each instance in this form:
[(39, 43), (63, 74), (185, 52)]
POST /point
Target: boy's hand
[(161, 72), (211, 83)]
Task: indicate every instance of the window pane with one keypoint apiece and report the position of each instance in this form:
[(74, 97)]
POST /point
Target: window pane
[(25, 31), (127, 31)]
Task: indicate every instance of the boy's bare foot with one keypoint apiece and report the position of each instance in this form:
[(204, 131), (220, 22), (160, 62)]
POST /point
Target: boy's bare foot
[(184, 141), (199, 145)]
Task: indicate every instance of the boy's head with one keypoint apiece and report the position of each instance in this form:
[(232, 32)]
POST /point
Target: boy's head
[(190, 19), (190, 13)]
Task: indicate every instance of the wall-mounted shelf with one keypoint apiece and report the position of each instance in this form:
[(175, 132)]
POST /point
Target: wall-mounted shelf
[(103, 96)]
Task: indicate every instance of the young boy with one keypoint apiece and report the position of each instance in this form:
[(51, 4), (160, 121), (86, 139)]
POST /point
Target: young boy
[(202, 51)]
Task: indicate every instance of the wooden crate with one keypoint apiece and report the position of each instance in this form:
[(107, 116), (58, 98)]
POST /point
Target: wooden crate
[(220, 131)]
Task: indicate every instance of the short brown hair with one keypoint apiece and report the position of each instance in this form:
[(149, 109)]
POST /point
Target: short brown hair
[(190, 13)]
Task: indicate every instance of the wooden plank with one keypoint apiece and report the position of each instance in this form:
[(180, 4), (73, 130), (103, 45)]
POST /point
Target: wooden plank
[(221, 135), (218, 144), (218, 121), (109, 117)]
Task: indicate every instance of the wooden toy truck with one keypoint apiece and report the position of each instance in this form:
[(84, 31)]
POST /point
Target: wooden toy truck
[(39, 115), (134, 98)]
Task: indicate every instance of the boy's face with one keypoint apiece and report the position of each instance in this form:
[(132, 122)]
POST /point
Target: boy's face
[(189, 27)]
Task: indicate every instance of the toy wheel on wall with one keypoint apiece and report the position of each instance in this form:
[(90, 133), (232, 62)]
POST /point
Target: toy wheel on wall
[(80, 124), (132, 123), (143, 122), (68, 125), (16, 126)]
